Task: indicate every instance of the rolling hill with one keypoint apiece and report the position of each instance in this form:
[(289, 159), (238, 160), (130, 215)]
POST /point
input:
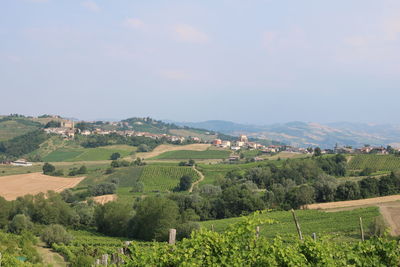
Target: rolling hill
[(309, 133)]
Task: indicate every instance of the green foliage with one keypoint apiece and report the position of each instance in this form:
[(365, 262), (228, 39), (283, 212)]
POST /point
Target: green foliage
[(115, 156), (185, 182), (20, 223), (341, 225), (102, 189), (154, 217), (53, 124), (57, 234), (239, 246), (112, 218), (23, 144), (48, 168), (164, 178), (23, 246), (143, 148), (191, 154), (375, 162)]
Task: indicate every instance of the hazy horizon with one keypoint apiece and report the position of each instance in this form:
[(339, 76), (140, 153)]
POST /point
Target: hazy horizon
[(258, 62)]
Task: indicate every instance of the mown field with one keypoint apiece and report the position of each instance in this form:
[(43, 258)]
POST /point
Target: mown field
[(343, 225), (88, 154), (189, 154), (376, 162)]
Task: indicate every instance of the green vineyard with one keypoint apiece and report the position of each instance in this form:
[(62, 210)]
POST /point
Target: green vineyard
[(164, 178), (376, 162)]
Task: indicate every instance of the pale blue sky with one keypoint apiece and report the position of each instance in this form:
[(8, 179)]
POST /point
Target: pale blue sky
[(246, 61)]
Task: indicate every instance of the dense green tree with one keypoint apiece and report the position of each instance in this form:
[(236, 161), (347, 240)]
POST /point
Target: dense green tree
[(348, 191), (185, 182), (20, 223), (55, 233), (369, 187), (115, 156), (143, 148), (154, 217), (237, 200), (48, 168), (112, 218), (325, 189), (301, 195), (317, 152), (5, 208)]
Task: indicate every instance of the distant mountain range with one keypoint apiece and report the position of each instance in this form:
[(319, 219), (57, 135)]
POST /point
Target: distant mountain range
[(310, 134)]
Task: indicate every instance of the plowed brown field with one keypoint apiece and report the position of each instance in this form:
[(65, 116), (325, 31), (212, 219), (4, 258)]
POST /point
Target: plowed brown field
[(14, 186)]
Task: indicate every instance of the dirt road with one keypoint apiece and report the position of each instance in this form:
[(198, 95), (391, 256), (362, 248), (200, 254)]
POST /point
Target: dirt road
[(198, 181), (14, 186)]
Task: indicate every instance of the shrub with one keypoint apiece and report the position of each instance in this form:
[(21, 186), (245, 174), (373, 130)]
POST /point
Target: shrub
[(19, 223), (115, 156), (102, 189), (57, 234), (48, 168), (378, 227)]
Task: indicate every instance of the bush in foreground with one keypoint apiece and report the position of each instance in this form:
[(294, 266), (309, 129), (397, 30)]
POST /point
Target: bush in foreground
[(240, 246)]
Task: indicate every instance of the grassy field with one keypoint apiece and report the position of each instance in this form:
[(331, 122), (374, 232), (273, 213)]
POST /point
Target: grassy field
[(189, 154), (162, 178), (88, 154), (12, 128), (344, 224), (376, 162)]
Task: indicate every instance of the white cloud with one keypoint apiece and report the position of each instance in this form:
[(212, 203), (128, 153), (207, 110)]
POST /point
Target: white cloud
[(187, 33), (134, 23), (178, 75), (91, 5)]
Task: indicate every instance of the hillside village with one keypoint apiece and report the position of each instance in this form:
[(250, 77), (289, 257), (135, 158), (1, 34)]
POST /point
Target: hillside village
[(67, 129)]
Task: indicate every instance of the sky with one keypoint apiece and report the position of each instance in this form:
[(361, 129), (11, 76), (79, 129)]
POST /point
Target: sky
[(248, 61)]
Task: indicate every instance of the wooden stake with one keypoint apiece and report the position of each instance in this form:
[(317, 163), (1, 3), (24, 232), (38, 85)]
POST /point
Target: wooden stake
[(297, 225), (172, 236), (212, 227), (314, 236), (361, 229), (258, 232)]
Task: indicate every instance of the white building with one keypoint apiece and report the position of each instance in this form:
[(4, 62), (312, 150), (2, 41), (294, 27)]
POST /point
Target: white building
[(21, 162)]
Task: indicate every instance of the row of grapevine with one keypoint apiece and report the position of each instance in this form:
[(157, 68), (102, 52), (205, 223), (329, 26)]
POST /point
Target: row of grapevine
[(376, 162), (164, 178)]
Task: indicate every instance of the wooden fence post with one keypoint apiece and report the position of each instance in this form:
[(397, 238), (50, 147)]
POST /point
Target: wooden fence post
[(361, 229), (314, 236), (172, 236), (104, 259), (297, 225), (258, 232), (212, 227)]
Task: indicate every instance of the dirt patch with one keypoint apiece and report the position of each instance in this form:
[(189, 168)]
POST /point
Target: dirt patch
[(50, 257), (14, 186), (354, 203), (391, 213), (165, 148), (104, 199)]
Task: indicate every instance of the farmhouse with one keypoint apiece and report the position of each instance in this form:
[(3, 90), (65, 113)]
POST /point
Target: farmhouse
[(21, 162)]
